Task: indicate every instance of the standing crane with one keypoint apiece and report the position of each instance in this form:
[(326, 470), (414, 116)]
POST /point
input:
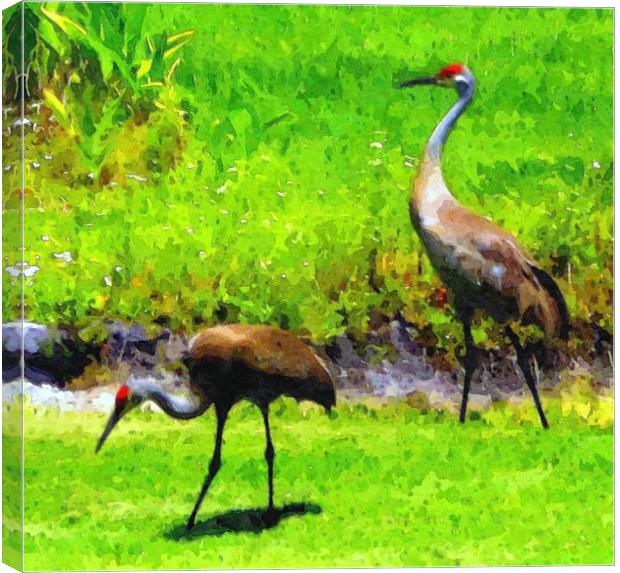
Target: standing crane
[(227, 364), (482, 265)]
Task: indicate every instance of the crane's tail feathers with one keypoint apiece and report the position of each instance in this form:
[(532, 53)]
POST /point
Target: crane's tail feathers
[(552, 288)]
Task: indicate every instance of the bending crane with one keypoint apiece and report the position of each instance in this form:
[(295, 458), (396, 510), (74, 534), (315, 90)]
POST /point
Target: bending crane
[(227, 364), (482, 265)]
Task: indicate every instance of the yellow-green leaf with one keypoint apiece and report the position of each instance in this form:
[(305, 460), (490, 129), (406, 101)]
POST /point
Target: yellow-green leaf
[(172, 68), (175, 37), (174, 49), (60, 111), (63, 22), (145, 68)]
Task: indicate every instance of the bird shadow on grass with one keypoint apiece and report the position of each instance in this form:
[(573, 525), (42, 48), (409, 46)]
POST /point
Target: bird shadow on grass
[(252, 520)]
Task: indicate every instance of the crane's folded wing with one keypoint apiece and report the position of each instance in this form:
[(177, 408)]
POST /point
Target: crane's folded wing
[(263, 348)]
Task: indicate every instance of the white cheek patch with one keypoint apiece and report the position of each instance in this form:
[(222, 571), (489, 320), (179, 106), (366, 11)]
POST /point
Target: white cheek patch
[(459, 78)]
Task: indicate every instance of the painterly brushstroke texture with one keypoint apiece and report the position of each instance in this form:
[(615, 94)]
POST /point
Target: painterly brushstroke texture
[(188, 166)]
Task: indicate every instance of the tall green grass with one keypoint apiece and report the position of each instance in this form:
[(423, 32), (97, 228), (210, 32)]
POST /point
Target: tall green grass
[(278, 156)]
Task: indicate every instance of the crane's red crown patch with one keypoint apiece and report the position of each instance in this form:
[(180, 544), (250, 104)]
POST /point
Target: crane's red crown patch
[(121, 395), (451, 70)]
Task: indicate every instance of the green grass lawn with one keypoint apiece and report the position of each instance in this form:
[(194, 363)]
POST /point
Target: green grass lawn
[(385, 487)]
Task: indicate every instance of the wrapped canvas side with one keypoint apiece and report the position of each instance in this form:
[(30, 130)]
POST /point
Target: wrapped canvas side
[(12, 287)]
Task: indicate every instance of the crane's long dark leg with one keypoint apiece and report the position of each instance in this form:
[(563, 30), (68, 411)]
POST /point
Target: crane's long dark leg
[(270, 453), (471, 362), (522, 360), (214, 465)]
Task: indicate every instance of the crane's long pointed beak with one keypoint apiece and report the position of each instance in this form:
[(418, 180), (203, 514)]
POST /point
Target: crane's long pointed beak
[(112, 421), (420, 82)]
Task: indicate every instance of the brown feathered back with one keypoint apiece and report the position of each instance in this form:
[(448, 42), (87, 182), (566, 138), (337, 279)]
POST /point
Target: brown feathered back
[(500, 263), (482, 263), (264, 348)]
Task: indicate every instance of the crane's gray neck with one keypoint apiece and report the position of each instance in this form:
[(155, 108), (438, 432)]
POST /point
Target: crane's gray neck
[(438, 138), (182, 406)]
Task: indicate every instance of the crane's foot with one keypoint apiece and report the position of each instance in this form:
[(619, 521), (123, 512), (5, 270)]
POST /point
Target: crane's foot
[(191, 523)]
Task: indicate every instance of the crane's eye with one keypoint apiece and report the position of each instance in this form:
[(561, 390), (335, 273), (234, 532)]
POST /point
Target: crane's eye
[(445, 81)]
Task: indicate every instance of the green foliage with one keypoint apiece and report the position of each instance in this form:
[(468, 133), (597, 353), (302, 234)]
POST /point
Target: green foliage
[(278, 157), (395, 488), (104, 67), (12, 467)]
